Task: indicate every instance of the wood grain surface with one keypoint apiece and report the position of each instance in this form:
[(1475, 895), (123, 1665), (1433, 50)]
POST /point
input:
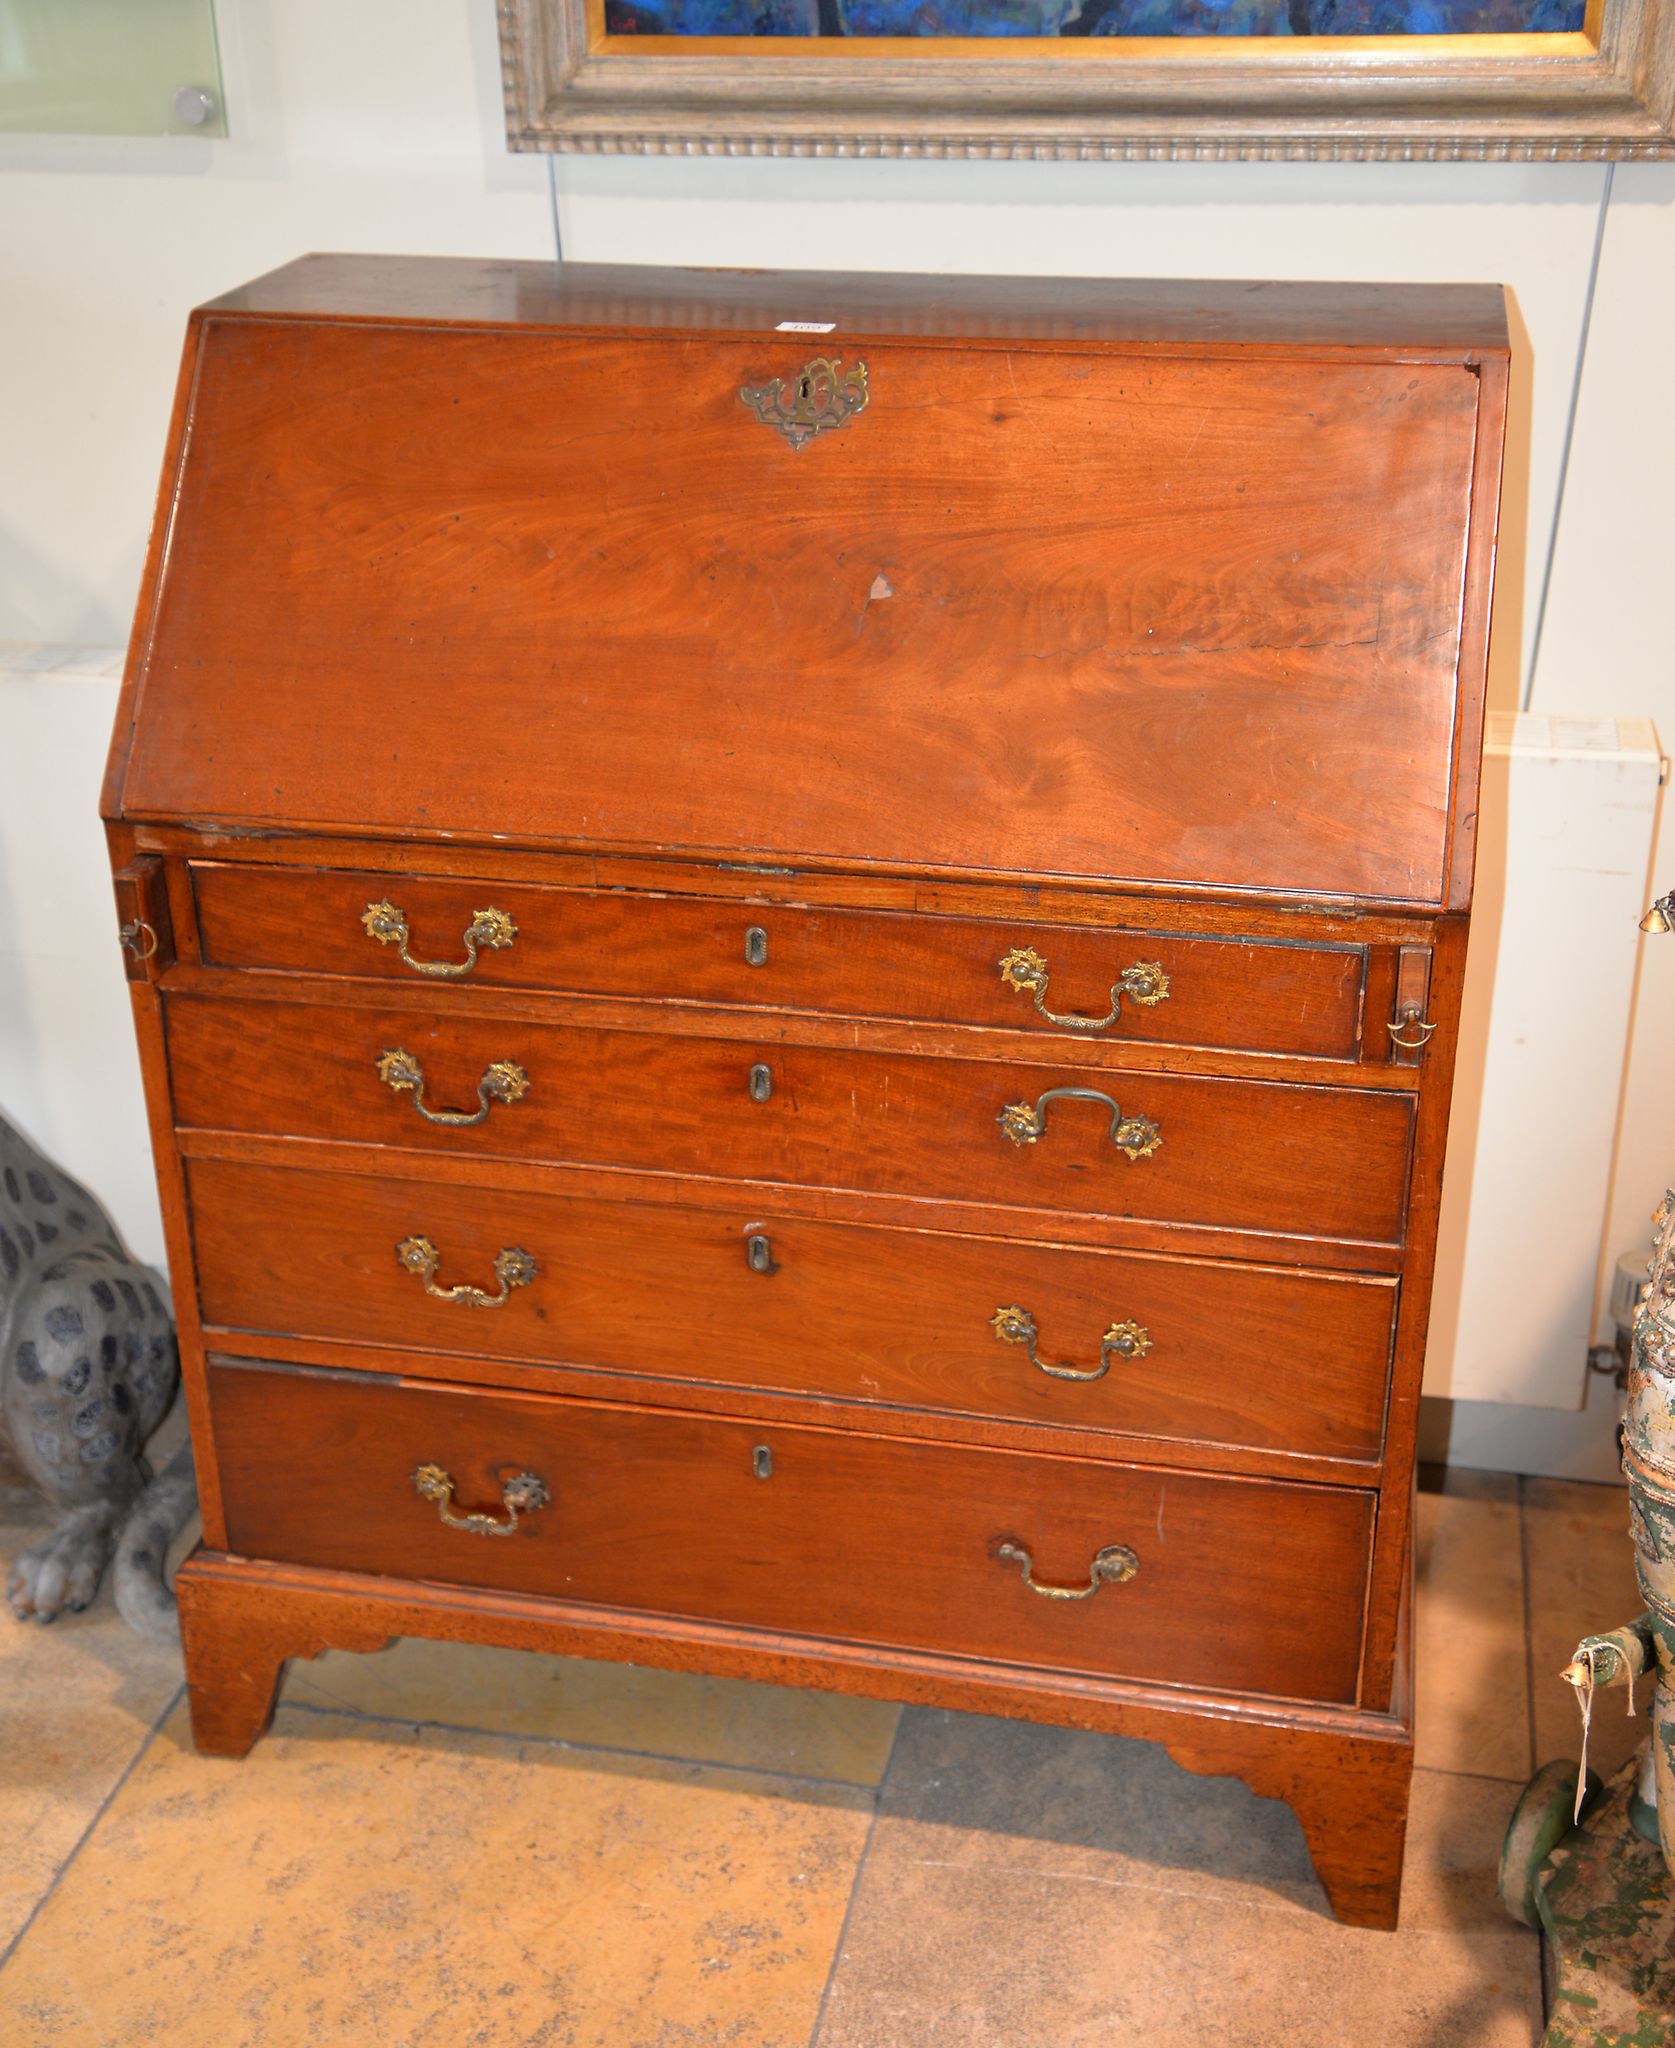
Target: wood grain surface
[(572, 591), (1242, 992), (1303, 1162), (1239, 1355), (1249, 1585)]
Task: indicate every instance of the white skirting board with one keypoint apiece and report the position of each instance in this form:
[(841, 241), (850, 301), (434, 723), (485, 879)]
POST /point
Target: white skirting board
[(1568, 812)]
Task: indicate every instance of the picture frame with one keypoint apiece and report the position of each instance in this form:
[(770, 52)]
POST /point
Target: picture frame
[(1606, 90)]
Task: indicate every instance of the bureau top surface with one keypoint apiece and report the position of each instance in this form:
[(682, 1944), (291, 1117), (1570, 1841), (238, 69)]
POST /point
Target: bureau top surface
[(1169, 585), (1457, 321)]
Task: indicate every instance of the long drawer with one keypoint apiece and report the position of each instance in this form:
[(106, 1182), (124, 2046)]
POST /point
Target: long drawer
[(1268, 996), (1185, 1349), (1237, 1585), (1250, 1155)]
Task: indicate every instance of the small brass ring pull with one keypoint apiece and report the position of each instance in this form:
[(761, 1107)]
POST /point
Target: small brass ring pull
[(1136, 1137), (512, 1268), (522, 1494), (1410, 1020), (1016, 1325), (1144, 983), (139, 938), (1111, 1566), (490, 928), (504, 1081)]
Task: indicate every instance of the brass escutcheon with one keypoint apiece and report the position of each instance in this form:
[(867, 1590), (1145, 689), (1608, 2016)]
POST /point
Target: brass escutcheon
[(823, 395), (512, 1268), (522, 1494), (1144, 983), (1015, 1325), (1137, 1137), (491, 928), (1112, 1566), (503, 1081)]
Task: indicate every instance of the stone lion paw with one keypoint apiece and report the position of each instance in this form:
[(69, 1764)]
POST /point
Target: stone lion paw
[(61, 1572)]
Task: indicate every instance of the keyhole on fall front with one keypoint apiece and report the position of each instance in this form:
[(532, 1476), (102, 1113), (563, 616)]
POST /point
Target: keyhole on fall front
[(803, 387)]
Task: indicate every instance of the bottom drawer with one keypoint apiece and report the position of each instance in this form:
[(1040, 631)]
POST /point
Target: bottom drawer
[(1239, 1585)]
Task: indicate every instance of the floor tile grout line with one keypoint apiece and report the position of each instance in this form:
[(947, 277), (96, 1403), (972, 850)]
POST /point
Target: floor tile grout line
[(1529, 1631), (104, 1806), (855, 1884), (650, 1756), (1474, 1777)]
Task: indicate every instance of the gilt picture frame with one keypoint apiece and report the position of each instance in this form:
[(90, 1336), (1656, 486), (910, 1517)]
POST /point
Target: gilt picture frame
[(609, 77)]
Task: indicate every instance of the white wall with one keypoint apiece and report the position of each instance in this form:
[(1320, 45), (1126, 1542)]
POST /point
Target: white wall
[(377, 127)]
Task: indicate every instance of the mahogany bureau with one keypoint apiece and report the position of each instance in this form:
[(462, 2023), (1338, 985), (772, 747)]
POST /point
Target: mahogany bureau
[(797, 942)]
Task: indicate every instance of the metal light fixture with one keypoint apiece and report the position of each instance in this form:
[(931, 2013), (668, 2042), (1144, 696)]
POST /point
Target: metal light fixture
[(1661, 916)]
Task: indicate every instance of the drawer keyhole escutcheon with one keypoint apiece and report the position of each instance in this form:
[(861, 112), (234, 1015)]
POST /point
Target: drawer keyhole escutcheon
[(1137, 1137), (522, 1494), (504, 1081), (756, 947), (1112, 1566), (759, 1253), (823, 396), (761, 1081), (488, 928), (762, 1462), (512, 1268), (1015, 1325), (1145, 984)]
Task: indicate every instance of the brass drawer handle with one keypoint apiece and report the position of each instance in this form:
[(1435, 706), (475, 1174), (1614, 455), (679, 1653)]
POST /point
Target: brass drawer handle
[(512, 1268), (1016, 1325), (1136, 1136), (491, 928), (504, 1081), (1413, 1019), (1144, 983), (522, 1494), (1111, 1567)]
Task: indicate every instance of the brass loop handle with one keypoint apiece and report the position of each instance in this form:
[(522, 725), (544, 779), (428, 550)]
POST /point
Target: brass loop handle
[(522, 1494), (1144, 983), (1016, 1325), (139, 938), (1111, 1566), (490, 928), (1410, 1020), (512, 1268), (1137, 1137), (504, 1081)]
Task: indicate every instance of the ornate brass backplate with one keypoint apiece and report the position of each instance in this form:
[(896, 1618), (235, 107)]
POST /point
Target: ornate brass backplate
[(823, 395)]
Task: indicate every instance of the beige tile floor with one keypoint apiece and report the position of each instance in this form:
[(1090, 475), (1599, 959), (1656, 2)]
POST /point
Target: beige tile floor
[(489, 1850)]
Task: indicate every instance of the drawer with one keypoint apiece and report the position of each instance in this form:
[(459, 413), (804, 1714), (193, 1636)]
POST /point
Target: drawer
[(1267, 996), (1241, 1155), (1200, 1352), (1241, 1585)]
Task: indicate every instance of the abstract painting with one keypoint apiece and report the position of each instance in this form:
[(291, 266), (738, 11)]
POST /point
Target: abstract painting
[(1078, 80), (1036, 18)]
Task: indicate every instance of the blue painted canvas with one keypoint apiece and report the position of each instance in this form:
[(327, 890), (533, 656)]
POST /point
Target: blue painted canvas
[(1090, 17)]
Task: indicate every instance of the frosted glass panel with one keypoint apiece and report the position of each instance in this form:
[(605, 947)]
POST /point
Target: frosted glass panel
[(110, 67)]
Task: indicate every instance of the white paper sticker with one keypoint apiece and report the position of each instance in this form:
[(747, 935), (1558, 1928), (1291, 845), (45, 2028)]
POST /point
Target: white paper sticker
[(805, 326)]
